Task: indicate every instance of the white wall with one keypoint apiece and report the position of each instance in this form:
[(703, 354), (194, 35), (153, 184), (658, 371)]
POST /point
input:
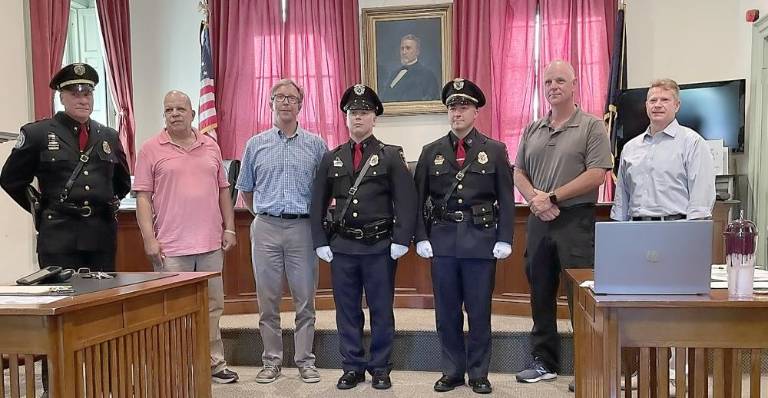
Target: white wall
[(16, 231), (165, 38)]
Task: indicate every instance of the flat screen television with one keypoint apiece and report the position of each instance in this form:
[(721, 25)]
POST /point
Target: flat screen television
[(714, 109)]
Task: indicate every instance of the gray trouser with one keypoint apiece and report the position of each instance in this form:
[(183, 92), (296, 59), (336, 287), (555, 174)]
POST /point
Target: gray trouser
[(284, 247), (205, 262)]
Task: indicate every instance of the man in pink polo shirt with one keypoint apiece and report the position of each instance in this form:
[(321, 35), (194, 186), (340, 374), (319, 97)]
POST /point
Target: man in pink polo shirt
[(184, 209)]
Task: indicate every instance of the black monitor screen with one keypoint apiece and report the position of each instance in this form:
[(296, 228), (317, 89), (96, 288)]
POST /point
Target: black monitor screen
[(715, 110)]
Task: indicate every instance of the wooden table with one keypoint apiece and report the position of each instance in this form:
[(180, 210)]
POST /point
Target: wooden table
[(148, 339), (609, 330)]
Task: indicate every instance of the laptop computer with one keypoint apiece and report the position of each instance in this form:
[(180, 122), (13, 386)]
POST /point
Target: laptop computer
[(653, 257)]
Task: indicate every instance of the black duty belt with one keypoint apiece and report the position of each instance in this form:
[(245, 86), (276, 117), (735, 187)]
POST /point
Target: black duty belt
[(286, 216), (456, 216), (73, 210), (670, 217), (368, 233)]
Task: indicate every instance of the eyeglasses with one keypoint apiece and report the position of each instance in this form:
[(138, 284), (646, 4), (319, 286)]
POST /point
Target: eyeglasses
[(282, 98)]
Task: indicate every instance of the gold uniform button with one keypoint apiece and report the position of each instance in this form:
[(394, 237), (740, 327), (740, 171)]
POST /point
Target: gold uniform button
[(354, 214), (461, 200), (85, 172), (483, 171), (335, 174), (87, 188), (354, 201), (86, 203), (374, 173), (50, 216), (436, 173), (460, 186)]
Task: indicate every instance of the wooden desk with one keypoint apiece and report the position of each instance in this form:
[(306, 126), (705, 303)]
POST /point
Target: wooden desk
[(148, 339), (608, 329)]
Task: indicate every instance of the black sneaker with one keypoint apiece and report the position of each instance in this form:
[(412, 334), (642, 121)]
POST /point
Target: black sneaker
[(225, 376), (537, 372)]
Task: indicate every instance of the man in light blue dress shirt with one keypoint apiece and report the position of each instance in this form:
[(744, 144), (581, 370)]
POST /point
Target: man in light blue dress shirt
[(276, 176), (665, 173)]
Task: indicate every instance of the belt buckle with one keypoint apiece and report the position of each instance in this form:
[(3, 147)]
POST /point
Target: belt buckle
[(357, 233), (460, 176), (459, 215), (84, 158), (88, 213), (352, 191)]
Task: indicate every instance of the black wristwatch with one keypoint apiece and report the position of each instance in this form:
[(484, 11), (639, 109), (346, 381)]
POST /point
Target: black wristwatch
[(553, 197)]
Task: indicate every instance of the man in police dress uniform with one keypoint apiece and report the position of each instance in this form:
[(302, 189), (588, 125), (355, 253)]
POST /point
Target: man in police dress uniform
[(371, 228), (82, 173), (464, 183)]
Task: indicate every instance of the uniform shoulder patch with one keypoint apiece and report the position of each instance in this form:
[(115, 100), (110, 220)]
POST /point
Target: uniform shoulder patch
[(20, 140)]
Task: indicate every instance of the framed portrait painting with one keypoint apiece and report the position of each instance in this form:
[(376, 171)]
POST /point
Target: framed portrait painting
[(407, 56)]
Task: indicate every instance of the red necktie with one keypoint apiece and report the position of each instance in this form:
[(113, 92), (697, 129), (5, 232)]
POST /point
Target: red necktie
[(357, 156), (460, 153), (82, 136)]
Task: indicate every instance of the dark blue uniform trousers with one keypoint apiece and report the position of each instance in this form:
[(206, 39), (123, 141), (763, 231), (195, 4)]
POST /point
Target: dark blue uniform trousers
[(467, 281), (351, 274)]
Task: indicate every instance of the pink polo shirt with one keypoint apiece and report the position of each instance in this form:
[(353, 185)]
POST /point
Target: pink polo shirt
[(185, 186)]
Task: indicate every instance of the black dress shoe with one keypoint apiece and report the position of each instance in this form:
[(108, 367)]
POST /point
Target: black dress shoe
[(381, 380), (481, 385), (350, 379), (448, 383), (572, 386)]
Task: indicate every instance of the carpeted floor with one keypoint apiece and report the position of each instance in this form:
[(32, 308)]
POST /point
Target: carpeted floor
[(404, 385), (405, 319)]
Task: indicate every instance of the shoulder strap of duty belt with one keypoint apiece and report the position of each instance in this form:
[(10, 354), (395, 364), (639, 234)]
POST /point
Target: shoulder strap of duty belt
[(76, 172), (459, 176), (353, 189)]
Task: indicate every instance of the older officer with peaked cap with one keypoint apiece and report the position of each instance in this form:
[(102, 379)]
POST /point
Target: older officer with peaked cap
[(82, 173), (371, 228), (465, 188)]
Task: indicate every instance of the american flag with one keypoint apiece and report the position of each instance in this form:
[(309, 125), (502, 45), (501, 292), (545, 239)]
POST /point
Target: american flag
[(207, 107)]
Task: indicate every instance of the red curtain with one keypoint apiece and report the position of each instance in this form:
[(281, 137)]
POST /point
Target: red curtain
[(247, 53), (581, 32), (49, 21), (318, 47), (504, 69), (322, 53), (115, 22)]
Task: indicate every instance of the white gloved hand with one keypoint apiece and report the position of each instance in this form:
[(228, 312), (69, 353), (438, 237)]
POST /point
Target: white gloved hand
[(424, 249), (325, 253), (502, 250), (396, 251)]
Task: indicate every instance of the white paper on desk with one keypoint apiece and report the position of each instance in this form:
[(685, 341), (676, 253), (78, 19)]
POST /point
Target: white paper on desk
[(21, 300), (14, 290), (720, 273), (589, 284)]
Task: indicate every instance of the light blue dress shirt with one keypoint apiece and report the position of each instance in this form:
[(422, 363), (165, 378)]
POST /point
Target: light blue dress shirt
[(280, 170), (667, 173)]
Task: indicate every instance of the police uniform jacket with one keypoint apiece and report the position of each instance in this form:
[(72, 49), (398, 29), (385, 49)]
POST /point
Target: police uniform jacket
[(49, 150), (487, 180), (386, 192)]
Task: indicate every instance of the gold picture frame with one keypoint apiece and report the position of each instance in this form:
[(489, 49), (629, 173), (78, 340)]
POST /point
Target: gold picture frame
[(391, 37)]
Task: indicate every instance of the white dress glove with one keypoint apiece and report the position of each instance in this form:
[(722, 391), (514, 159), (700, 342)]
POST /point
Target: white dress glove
[(424, 249), (396, 251), (502, 250), (325, 253)]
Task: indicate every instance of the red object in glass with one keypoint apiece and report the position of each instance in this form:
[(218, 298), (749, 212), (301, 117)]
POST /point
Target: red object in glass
[(740, 237)]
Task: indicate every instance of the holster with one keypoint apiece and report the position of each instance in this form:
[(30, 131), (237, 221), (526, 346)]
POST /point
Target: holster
[(429, 214), (33, 196)]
